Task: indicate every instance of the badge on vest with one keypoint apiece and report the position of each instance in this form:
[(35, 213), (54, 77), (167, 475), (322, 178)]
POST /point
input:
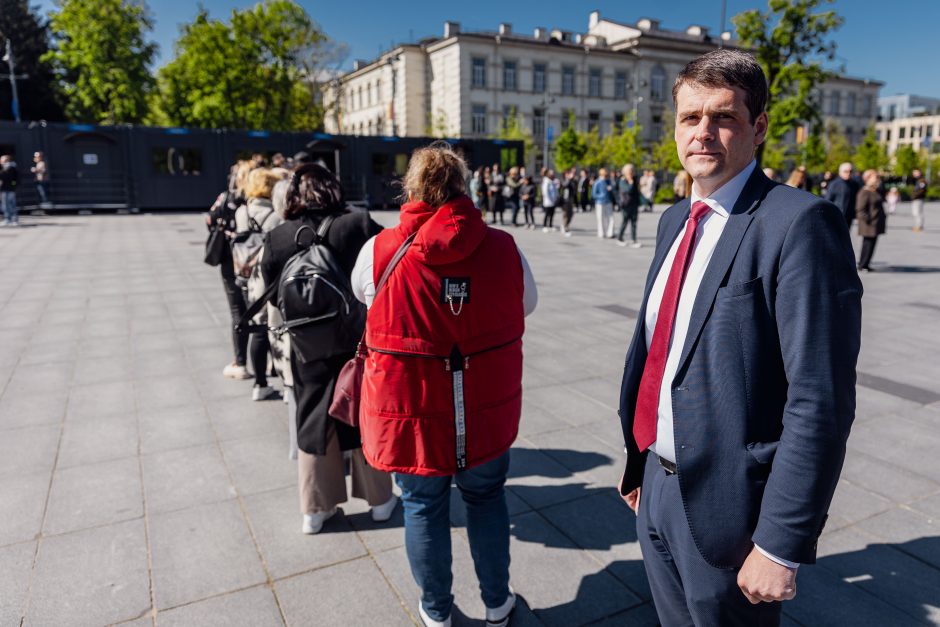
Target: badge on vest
[(455, 291)]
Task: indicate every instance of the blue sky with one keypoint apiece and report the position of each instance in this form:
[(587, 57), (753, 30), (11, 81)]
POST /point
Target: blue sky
[(879, 40)]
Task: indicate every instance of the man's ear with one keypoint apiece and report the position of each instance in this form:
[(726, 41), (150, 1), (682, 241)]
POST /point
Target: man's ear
[(760, 128)]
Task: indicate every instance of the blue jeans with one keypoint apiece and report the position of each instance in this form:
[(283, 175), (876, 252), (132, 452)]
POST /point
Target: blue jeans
[(426, 502), (8, 202)]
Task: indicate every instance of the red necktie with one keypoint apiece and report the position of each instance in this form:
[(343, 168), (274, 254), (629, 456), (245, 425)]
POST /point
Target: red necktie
[(647, 402)]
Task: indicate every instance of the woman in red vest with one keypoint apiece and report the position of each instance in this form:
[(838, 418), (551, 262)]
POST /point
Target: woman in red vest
[(442, 392)]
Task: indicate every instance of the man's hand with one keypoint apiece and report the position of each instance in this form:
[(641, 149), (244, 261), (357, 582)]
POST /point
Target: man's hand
[(632, 499), (763, 580)]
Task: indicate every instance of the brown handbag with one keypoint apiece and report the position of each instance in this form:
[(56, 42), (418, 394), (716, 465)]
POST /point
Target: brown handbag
[(348, 390)]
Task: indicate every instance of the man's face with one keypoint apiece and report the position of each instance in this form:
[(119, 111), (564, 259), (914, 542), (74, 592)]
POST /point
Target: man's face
[(916, 174), (715, 136), (845, 172)]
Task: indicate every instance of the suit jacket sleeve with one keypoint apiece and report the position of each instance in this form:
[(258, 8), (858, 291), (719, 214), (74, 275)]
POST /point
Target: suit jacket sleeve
[(818, 313)]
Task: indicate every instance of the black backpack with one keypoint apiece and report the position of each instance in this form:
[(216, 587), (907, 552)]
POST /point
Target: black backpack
[(316, 301)]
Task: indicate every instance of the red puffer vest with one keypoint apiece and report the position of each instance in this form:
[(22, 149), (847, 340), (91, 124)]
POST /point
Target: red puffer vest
[(442, 389)]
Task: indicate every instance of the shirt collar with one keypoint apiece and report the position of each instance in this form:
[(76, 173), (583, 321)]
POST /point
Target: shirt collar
[(722, 199)]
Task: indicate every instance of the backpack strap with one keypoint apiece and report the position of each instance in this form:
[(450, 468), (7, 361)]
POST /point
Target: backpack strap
[(319, 236)]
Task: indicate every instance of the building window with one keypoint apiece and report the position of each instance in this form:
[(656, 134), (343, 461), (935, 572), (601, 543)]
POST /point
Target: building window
[(380, 126), (479, 72), (359, 92), (656, 129), (567, 80), (866, 106), (620, 85), (594, 82), (850, 104), (888, 135), (538, 123), (901, 131), (618, 122), (835, 103), (509, 112), (658, 84), (478, 119), (566, 117), (538, 78), (509, 75), (594, 121), (892, 112)]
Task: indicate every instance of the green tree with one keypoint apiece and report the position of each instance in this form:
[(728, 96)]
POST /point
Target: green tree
[(101, 57), (515, 130), (790, 41), (775, 156), (263, 69), (906, 160), (622, 148), (837, 147), (29, 37), (665, 153), (870, 154), (594, 153), (570, 147), (814, 151)]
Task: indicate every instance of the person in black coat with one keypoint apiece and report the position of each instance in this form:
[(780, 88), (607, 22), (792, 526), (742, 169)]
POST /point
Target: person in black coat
[(842, 192), (314, 194), (8, 181)]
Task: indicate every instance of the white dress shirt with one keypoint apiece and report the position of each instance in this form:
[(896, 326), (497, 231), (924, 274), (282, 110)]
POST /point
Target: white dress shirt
[(707, 235)]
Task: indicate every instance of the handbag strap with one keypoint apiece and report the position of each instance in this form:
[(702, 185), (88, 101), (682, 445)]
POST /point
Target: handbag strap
[(394, 262)]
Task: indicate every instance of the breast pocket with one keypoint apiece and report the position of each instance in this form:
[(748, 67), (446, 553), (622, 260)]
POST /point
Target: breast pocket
[(735, 290)]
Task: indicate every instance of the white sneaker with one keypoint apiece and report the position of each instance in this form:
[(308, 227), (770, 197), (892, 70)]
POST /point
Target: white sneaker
[(567, 233), (545, 229), (381, 513), (430, 622), (636, 245), (313, 523), (620, 242), (259, 393), (499, 616), (234, 371)]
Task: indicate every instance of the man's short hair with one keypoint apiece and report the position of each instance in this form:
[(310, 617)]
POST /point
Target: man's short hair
[(727, 68)]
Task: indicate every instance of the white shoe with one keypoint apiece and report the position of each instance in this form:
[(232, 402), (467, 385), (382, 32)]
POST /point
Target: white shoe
[(259, 393), (620, 242), (567, 233), (234, 371), (430, 622), (499, 616), (313, 523), (636, 245), (545, 229), (381, 513)]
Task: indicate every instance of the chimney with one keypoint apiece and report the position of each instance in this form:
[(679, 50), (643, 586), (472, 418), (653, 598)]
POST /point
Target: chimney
[(594, 19), (578, 38), (505, 29), (451, 29), (540, 33), (697, 31), (647, 24), (358, 64)]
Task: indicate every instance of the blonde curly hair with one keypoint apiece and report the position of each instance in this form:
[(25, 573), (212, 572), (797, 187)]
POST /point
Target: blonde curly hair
[(436, 174)]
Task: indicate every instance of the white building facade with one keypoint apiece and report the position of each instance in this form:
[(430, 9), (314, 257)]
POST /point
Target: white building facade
[(917, 132), (468, 84)]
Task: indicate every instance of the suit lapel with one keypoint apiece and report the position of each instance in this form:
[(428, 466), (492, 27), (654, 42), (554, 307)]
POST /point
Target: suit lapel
[(725, 251)]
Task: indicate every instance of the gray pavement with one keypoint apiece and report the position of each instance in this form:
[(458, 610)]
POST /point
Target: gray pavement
[(139, 487)]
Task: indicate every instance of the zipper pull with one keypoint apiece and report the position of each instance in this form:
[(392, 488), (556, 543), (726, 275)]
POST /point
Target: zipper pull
[(446, 365), (466, 363)]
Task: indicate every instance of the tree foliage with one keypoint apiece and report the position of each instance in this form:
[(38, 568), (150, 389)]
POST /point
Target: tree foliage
[(29, 37), (791, 41), (570, 148), (101, 57), (870, 154), (814, 151), (906, 160), (665, 152), (622, 148), (515, 130), (262, 69), (837, 147)]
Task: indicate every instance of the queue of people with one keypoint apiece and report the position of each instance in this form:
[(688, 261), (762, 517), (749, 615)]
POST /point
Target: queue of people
[(469, 287)]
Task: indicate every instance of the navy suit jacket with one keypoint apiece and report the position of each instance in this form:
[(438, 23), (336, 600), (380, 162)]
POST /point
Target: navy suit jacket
[(764, 396)]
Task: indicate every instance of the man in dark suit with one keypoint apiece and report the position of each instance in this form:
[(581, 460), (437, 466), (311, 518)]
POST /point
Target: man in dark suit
[(739, 386), (842, 191)]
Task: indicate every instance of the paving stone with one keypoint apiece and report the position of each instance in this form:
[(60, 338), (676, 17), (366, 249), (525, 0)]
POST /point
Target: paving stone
[(16, 562), (101, 399), (586, 593), (911, 532), (165, 392), (577, 451), (640, 616), (201, 552), (254, 606), (93, 495), (275, 520), (540, 481), (148, 366), (30, 410), (181, 478), (173, 428), (852, 503), (28, 450), (260, 464), (887, 479), (239, 418), (92, 577), (88, 440)]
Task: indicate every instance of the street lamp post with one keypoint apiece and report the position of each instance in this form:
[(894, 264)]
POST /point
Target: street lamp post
[(546, 100), (11, 63)]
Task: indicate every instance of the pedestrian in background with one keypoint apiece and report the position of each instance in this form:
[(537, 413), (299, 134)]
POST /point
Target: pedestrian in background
[(628, 190), (313, 195), (682, 186), (41, 173), (584, 191), (9, 178), (918, 195), (549, 199), (511, 194), (476, 187), (527, 198), (468, 288), (843, 191), (797, 178), (648, 187), (569, 195), (497, 202), (870, 213), (602, 192)]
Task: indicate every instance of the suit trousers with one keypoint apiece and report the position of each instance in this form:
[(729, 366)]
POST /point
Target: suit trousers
[(687, 590)]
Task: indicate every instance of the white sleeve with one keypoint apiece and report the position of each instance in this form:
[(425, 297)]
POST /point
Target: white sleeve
[(363, 282), (530, 293), (779, 560)]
